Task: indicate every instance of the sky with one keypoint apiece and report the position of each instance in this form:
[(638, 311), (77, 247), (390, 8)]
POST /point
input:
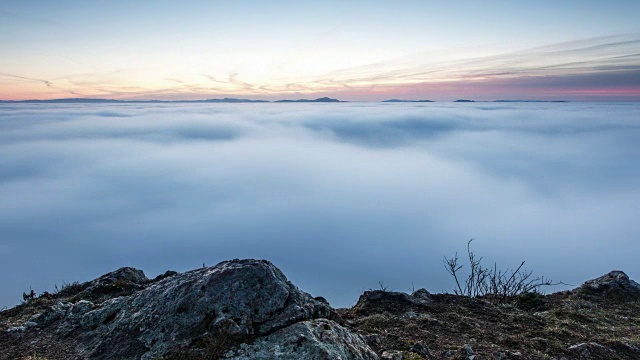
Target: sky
[(356, 50), (339, 196)]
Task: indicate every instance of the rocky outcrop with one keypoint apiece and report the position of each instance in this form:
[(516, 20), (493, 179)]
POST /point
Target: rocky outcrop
[(589, 351), (378, 301), (615, 285), (614, 349), (247, 309), (240, 299)]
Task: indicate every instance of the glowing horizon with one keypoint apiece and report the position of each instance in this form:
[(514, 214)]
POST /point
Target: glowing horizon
[(199, 50)]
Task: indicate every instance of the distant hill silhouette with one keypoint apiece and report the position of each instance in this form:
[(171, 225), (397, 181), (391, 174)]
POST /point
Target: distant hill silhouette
[(112, 101), (532, 101), (322, 99), (402, 101), (464, 101)]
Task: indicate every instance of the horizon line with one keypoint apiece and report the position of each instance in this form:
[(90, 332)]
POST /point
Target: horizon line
[(286, 100)]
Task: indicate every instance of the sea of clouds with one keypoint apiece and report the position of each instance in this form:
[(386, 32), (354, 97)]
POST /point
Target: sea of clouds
[(339, 196)]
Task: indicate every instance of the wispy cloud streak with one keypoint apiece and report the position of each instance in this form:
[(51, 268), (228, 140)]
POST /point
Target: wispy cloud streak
[(613, 58), (47, 83), (591, 56)]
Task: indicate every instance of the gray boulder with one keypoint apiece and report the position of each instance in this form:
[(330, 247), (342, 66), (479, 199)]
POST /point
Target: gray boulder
[(590, 351), (123, 281), (379, 301), (392, 355), (615, 285), (239, 298), (312, 339)]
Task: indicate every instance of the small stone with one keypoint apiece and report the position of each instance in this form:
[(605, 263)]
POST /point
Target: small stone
[(373, 339), (411, 315), (167, 274), (468, 349), (30, 324), (17, 329), (449, 353), (422, 294), (420, 349), (392, 355)]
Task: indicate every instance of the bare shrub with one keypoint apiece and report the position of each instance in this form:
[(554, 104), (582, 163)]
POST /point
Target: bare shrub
[(493, 282)]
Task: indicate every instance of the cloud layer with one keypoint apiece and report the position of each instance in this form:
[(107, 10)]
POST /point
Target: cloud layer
[(340, 196)]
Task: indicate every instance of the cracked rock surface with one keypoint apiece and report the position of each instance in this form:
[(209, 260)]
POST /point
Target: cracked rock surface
[(241, 298)]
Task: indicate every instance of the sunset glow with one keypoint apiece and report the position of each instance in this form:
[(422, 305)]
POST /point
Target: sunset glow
[(361, 51)]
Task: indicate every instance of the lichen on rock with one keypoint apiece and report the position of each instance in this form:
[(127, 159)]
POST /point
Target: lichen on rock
[(311, 339), (240, 298)]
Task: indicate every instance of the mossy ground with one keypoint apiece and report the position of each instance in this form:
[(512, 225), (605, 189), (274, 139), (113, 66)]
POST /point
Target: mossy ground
[(534, 327)]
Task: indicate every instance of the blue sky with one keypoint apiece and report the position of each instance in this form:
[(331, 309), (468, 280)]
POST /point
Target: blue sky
[(202, 49)]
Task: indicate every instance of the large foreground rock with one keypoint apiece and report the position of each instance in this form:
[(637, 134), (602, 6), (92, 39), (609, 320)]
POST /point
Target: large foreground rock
[(243, 299)]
